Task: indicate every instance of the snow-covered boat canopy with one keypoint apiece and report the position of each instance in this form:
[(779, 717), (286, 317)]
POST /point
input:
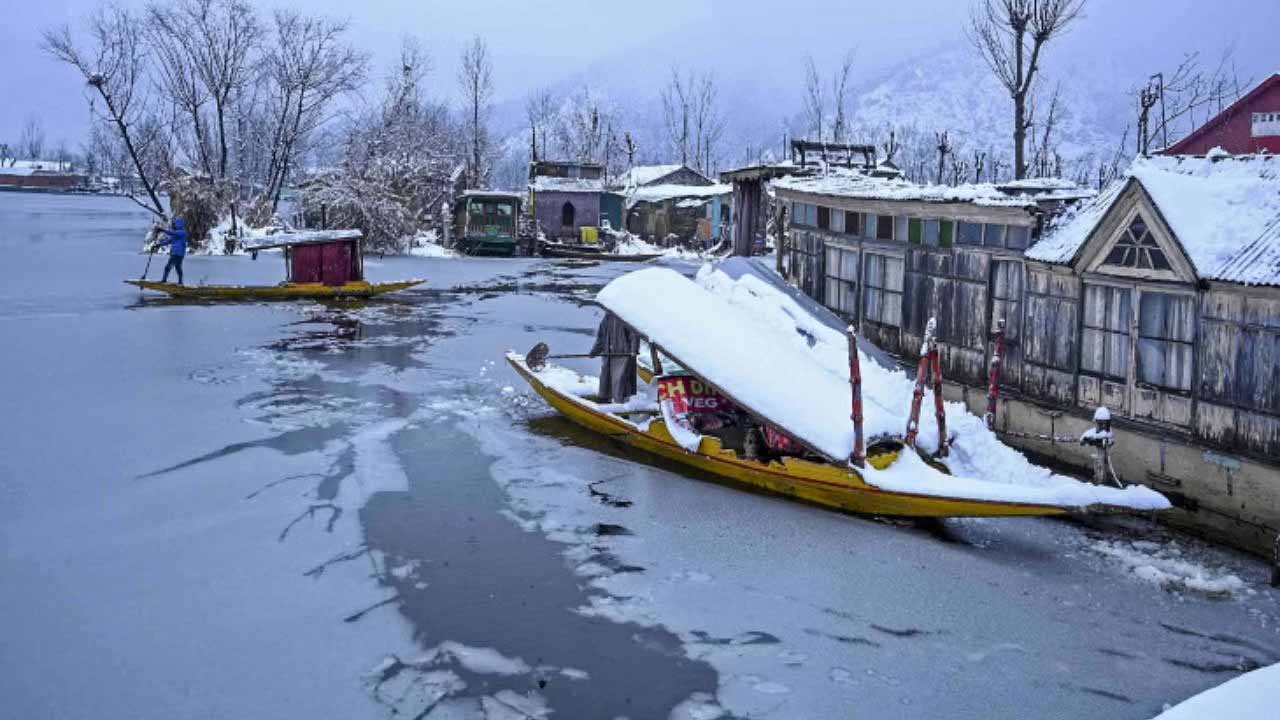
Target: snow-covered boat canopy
[(859, 185), (773, 359), (301, 237), (1223, 210)]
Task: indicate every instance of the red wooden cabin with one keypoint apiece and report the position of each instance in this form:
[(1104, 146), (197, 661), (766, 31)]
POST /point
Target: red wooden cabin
[(1250, 125), (328, 257)]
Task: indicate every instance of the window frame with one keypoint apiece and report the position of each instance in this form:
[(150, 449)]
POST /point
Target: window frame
[(881, 288)]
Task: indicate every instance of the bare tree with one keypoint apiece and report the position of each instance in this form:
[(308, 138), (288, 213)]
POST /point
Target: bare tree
[(113, 64), (7, 155), (475, 77), (840, 99), (944, 148), (979, 164), (891, 146), (707, 124), (1180, 95), (31, 141), (677, 111), (1011, 36), (539, 110), (1043, 150), (309, 66), (629, 149), (815, 101)]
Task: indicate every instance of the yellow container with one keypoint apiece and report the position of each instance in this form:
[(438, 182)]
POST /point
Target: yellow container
[(590, 235)]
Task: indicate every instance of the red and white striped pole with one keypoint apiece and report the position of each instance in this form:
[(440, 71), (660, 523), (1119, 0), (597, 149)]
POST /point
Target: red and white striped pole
[(917, 396), (936, 365), (855, 383)]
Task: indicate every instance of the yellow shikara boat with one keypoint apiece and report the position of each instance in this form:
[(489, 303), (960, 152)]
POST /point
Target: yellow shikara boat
[(822, 483), (283, 291), (319, 264)]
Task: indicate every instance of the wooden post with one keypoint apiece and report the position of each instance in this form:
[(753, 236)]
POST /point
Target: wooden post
[(917, 396), (855, 382), (936, 365), (654, 359), (993, 384)]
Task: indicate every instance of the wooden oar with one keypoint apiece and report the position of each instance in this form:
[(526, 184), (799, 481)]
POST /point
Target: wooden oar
[(537, 358)]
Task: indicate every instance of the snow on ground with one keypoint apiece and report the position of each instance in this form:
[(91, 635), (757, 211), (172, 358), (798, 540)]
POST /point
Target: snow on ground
[(629, 244), (427, 245), (1252, 696)]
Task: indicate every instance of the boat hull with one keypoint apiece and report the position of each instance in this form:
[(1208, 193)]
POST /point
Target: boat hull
[(821, 483), (558, 250), (284, 291)]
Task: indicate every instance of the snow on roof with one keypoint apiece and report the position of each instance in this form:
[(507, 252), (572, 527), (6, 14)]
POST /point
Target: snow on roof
[(545, 183), (642, 175), (300, 237), (496, 194), (659, 193), (758, 345), (856, 184), (1223, 210)]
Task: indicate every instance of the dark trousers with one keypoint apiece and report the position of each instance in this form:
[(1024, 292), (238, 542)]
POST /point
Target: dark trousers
[(175, 262)]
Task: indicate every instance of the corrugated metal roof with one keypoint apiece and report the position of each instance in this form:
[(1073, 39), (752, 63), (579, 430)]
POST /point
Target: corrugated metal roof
[(1224, 210)]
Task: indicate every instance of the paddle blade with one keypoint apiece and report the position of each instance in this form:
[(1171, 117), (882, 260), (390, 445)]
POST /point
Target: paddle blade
[(536, 358)]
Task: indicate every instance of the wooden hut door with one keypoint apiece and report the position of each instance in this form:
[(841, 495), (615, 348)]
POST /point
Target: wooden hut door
[(306, 263), (336, 263)]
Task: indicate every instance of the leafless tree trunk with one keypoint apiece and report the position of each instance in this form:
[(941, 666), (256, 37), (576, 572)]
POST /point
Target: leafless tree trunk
[(114, 65), (539, 110), (31, 141), (476, 80), (840, 99), (944, 149), (707, 124), (891, 146), (1011, 36), (979, 164), (815, 101), (677, 102)]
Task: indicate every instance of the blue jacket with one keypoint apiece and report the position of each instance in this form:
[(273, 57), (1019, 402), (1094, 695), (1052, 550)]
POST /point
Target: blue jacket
[(176, 238)]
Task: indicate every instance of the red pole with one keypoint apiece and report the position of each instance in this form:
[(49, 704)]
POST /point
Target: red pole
[(938, 411), (993, 385), (855, 383), (917, 396)]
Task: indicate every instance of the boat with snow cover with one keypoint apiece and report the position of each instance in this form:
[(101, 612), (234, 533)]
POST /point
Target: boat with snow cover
[(741, 392), (588, 252), (319, 264)]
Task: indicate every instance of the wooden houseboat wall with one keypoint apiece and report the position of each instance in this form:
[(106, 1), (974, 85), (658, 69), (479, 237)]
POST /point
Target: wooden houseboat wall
[(1190, 368)]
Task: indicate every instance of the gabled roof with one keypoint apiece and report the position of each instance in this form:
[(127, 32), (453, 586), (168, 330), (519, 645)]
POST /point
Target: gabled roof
[(546, 183), (1267, 83), (1224, 211), (642, 175)]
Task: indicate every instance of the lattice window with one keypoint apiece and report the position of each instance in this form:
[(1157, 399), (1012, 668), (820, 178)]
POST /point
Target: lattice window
[(1137, 249)]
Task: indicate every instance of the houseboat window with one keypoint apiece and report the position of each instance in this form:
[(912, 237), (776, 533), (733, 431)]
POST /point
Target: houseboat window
[(1104, 349), (824, 218), (870, 226), (945, 230), (1166, 330), (1018, 237), (1006, 297), (900, 229), (884, 227), (842, 281), (1136, 248), (915, 231), (993, 235), (969, 234), (931, 233), (853, 223), (837, 221), (883, 293), (566, 215)]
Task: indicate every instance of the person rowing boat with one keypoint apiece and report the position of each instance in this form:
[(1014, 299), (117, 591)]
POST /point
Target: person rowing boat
[(616, 345)]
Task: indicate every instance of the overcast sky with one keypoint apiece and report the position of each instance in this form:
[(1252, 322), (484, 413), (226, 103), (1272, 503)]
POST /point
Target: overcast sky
[(630, 45)]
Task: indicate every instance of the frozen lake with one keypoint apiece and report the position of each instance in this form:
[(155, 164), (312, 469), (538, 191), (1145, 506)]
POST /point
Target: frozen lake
[(357, 510)]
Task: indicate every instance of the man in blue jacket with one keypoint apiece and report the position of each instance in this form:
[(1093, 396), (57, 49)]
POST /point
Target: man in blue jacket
[(176, 239)]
